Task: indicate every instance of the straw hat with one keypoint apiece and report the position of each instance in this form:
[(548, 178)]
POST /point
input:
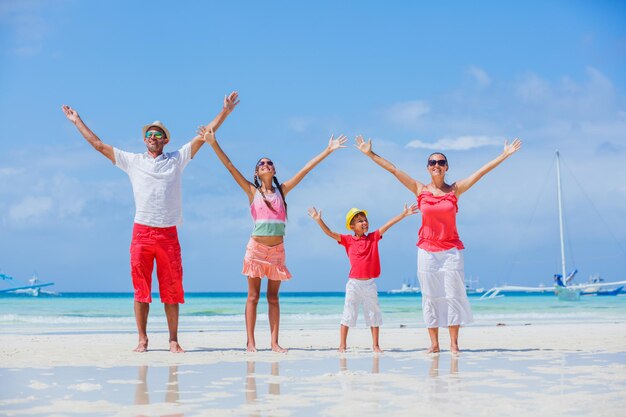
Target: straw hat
[(156, 123), (351, 213)]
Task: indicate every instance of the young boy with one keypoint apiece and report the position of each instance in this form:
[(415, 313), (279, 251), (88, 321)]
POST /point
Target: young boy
[(362, 250)]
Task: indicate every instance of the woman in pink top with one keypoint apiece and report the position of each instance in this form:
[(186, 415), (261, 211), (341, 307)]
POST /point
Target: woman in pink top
[(439, 254), (265, 255)]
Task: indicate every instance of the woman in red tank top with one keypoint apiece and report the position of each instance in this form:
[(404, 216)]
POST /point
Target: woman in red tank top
[(440, 256)]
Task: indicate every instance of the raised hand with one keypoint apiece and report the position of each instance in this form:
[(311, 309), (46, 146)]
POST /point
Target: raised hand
[(410, 210), (207, 134), (70, 113), (334, 144), (231, 101), (365, 147), (315, 215), (511, 148)]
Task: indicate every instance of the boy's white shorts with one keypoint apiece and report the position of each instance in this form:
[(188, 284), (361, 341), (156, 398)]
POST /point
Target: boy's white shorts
[(361, 292)]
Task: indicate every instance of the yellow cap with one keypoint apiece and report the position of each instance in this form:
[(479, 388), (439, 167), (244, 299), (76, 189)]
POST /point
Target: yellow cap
[(351, 213)]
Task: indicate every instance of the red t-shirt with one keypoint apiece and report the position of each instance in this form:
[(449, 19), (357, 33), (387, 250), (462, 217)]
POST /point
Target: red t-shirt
[(363, 254), (438, 231)]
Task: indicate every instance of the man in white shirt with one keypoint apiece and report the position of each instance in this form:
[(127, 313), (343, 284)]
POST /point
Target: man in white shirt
[(156, 178)]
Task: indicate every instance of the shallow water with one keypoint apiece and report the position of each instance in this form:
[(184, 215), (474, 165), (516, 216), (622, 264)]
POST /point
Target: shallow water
[(113, 312), (522, 382)]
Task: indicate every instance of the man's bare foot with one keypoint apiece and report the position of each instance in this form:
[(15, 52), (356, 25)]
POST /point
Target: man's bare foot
[(342, 349), (175, 347), (142, 346), (251, 348), (276, 348), (433, 349), (377, 349), (454, 349)]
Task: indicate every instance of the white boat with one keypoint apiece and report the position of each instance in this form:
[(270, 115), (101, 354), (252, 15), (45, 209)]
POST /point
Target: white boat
[(471, 286), (34, 287), (565, 289), (406, 288)]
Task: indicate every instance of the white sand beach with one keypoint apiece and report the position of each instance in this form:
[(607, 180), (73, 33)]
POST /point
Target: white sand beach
[(543, 370)]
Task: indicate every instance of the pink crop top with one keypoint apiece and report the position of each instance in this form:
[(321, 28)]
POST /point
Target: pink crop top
[(268, 222)]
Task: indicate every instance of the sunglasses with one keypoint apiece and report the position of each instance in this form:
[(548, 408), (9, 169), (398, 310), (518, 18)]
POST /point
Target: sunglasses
[(261, 163), (440, 162), (155, 134)]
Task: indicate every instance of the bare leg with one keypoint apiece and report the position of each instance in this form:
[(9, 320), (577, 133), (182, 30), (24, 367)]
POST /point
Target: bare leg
[(172, 395), (141, 317), (375, 346), (434, 367), (171, 313), (343, 364), (343, 338), (254, 290), (273, 312), (375, 364), (433, 332), (141, 391), (454, 339), (274, 387), (251, 394)]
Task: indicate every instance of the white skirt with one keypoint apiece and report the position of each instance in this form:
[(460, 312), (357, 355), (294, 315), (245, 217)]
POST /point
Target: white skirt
[(361, 292), (442, 280)]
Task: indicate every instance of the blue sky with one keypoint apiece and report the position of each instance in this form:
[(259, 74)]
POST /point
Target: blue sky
[(414, 76)]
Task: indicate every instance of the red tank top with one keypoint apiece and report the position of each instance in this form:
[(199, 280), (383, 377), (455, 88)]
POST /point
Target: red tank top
[(438, 231)]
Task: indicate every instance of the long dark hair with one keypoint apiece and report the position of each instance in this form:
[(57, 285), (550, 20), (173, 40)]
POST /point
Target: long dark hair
[(276, 183)]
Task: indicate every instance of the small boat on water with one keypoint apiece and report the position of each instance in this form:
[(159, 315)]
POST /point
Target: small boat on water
[(471, 286), (34, 287), (406, 288), (597, 289)]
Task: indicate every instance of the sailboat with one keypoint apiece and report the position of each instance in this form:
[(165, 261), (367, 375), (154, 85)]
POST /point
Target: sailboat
[(563, 286)]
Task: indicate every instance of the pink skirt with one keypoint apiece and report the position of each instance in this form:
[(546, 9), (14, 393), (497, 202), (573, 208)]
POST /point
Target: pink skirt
[(265, 261)]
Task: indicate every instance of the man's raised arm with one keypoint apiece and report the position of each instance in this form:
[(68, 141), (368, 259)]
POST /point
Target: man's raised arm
[(103, 148)]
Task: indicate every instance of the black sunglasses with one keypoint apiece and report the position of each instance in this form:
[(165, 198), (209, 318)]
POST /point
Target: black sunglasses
[(261, 163), (440, 162)]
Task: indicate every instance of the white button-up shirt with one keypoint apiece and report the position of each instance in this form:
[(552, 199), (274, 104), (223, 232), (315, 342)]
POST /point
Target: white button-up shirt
[(157, 184)]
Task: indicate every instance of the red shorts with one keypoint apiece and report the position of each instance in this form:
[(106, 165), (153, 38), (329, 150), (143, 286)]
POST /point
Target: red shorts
[(160, 244)]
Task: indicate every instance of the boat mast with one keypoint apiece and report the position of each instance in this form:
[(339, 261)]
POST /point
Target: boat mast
[(558, 182)]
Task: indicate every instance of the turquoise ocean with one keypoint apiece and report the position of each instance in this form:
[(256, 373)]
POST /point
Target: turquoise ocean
[(113, 312)]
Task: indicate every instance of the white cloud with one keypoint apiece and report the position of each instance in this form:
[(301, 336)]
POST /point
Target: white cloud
[(8, 172), (407, 113), (479, 75), (532, 88), (299, 124), (461, 143), (31, 209), (28, 26)]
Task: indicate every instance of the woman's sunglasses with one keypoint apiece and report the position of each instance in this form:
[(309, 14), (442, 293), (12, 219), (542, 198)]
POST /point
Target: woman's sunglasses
[(440, 162), (154, 134), (261, 163)]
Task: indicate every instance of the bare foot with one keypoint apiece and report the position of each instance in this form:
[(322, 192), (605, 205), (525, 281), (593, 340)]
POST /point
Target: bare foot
[(142, 346), (433, 349), (342, 349), (454, 349), (251, 348), (175, 347), (377, 349), (276, 348)]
